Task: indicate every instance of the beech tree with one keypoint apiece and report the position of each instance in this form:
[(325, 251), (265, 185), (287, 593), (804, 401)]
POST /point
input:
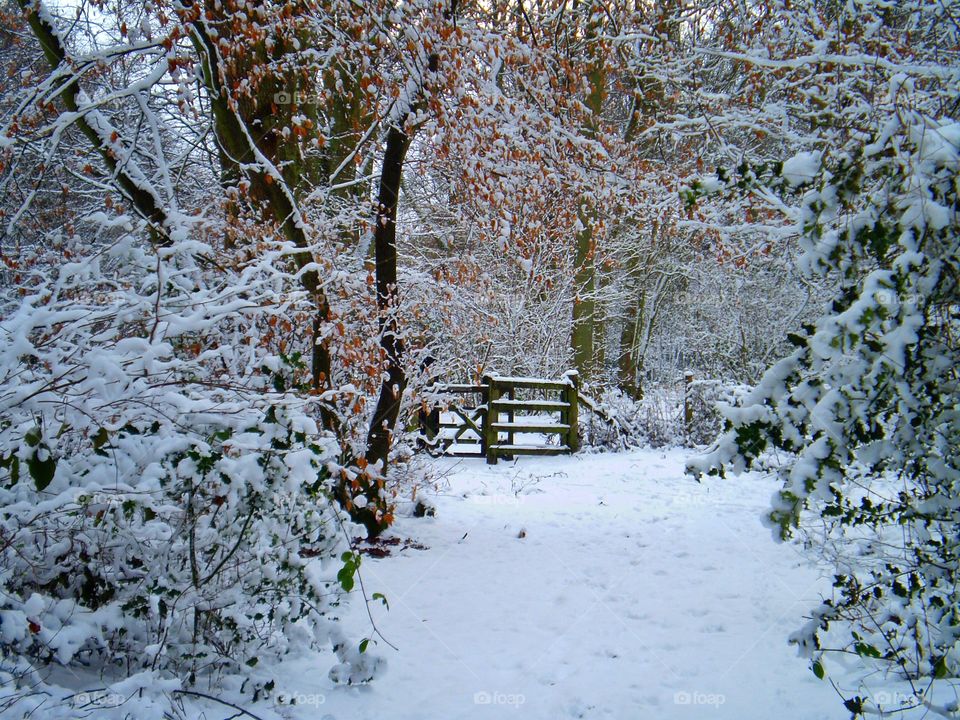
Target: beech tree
[(164, 276)]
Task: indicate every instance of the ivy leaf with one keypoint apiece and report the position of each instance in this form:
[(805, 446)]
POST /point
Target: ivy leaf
[(11, 464), (41, 471)]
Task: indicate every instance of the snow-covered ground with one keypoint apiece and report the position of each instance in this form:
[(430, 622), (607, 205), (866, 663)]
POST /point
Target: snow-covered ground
[(594, 586)]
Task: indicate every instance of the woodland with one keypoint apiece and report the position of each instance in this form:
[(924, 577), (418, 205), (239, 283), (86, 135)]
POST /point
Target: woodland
[(244, 242)]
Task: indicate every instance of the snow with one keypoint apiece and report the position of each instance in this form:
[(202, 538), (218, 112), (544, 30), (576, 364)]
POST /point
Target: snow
[(588, 586), (801, 168)]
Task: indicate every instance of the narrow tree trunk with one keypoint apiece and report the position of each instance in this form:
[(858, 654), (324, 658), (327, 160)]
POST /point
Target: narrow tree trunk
[(147, 204), (385, 253), (584, 303), (271, 191), (599, 328), (628, 371), (374, 515), (585, 280), (634, 315)]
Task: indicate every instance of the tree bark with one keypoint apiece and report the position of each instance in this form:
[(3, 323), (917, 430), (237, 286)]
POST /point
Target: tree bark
[(272, 194), (585, 277), (375, 514), (385, 253), (584, 303)]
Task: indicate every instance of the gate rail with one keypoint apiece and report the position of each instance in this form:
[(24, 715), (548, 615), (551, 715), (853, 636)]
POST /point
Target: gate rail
[(500, 417)]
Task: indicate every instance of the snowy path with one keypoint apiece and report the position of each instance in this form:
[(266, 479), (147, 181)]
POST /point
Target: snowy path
[(635, 593)]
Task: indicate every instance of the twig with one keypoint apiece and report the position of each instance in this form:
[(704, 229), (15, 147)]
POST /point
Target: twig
[(196, 693), (363, 590)]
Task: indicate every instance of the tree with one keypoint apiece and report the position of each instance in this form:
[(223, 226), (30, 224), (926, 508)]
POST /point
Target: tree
[(863, 412), (157, 418)]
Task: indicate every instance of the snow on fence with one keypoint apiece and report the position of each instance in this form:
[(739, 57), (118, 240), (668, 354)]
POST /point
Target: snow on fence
[(508, 416)]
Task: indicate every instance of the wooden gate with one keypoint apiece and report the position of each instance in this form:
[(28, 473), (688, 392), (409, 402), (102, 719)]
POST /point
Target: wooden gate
[(505, 416)]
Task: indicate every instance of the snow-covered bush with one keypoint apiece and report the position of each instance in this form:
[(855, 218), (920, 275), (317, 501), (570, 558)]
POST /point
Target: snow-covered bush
[(702, 400), (865, 409), (611, 422), (191, 556), (165, 501), (658, 419)]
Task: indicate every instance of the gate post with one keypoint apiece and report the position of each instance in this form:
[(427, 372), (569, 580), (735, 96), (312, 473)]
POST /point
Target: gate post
[(571, 395), (489, 431)]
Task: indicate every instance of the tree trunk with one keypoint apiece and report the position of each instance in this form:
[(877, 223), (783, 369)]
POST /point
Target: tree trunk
[(374, 515), (584, 303), (628, 370), (385, 253), (274, 179), (585, 280), (600, 327)]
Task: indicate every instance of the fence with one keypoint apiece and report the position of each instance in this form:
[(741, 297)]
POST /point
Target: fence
[(511, 416)]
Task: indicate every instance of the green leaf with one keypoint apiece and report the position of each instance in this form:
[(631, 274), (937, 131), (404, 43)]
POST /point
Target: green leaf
[(940, 670), (100, 438), (818, 669), (32, 438), (382, 598), (854, 705), (41, 471), (345, 577), (363, 644), (11, 464), (351, 562)]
